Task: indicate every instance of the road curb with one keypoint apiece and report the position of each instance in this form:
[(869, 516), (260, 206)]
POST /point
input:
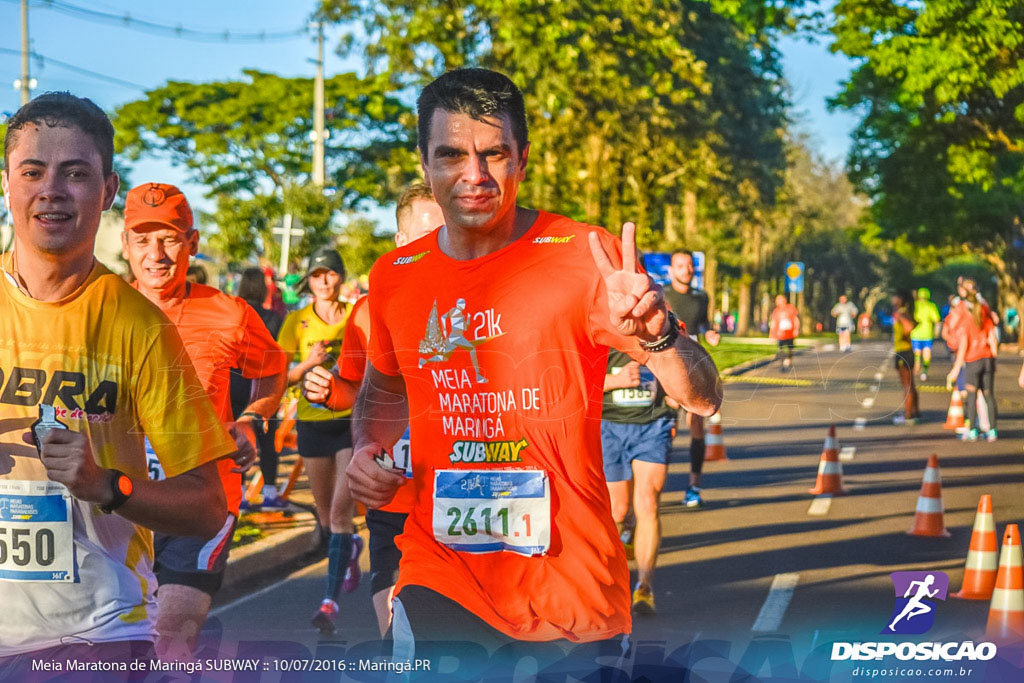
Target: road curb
[(766, 360)]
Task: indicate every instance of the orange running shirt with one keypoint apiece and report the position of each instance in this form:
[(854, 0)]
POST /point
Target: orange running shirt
[(352, 367), (503, 359), (221, 332), (977, 338), (783, 325)]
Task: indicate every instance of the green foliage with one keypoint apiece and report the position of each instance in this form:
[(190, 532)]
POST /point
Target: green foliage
[(940, 148), (248, 142), (628, 104), (360, 246)]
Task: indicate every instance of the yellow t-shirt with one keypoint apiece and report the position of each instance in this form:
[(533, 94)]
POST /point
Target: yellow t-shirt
[(112, 366), (301, 330)]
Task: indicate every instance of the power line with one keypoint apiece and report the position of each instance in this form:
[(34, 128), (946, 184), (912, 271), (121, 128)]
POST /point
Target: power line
[(44, 60), (126, 20)]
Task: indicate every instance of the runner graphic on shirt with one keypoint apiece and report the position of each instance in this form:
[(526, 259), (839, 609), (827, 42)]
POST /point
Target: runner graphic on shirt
[(442, 345)]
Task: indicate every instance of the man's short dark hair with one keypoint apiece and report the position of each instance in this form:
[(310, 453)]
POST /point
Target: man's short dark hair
[(417, 192), (62, 109), (476, 93), (681, 252)]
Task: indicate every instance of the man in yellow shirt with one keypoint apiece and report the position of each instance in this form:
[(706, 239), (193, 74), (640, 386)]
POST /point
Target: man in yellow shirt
[(89, 367)]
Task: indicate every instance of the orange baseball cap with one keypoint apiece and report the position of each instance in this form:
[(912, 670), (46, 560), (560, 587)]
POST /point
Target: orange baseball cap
[(157, 203)]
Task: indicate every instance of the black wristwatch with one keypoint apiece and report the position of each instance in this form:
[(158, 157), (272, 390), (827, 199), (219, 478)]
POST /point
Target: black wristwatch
[(121, 487)]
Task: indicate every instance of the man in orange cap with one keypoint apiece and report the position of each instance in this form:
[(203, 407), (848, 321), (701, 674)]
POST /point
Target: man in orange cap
[(219, 332)]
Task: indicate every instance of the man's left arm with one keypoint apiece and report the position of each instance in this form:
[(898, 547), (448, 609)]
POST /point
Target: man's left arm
[(636, 307)]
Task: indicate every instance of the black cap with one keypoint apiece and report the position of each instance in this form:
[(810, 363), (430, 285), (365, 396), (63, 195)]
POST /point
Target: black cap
[(325, 257)]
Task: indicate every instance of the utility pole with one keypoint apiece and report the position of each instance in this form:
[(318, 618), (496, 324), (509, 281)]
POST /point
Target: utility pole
[(287, 232), (319, 170), (26, 92)]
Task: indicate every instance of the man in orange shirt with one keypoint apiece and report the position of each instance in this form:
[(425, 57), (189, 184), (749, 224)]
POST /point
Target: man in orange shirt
[(784, 327), (219, 332), (511, 537), (417, 215)]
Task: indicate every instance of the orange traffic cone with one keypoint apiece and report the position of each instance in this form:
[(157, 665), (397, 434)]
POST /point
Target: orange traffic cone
[(714, 445), (928, 517), (1006, 614), (982, 556), (955, 414), (830, 472)]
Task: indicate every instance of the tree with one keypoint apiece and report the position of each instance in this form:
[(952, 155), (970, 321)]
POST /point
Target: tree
[(940, 148), (248, 142), (649, 111)]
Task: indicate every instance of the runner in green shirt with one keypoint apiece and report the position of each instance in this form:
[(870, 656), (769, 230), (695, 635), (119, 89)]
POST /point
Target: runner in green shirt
[(926, 317)]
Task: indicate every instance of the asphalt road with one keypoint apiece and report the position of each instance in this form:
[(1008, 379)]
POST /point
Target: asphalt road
[(755, 582)]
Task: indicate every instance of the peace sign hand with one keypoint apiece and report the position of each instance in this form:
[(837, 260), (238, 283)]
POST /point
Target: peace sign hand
[(635, 303)]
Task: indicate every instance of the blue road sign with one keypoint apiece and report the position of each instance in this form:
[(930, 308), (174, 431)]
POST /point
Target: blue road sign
[(794, 276)]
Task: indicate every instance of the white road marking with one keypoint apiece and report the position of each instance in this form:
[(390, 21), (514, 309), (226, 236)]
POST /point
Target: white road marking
[(311, 569), (846, 453), (774, 607), (868, 402), (820, 505), (878, 377), (860, 423)]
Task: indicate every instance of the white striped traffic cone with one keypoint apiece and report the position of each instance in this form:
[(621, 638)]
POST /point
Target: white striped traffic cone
[(982, 556), (830, 472), (714, 445), (1006, 613), (928, 516)]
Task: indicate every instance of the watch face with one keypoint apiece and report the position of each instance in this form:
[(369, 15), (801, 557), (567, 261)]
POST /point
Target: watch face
[(124, 485)]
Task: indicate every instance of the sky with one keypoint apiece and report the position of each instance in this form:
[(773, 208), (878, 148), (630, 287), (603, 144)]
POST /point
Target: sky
[(128, 60)]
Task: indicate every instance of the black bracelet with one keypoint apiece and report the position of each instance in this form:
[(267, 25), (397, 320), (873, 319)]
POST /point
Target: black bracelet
[(666, 342)]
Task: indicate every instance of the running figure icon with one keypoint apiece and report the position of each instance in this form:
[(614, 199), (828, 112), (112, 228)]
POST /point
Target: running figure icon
[(456, 319), (915, 606)]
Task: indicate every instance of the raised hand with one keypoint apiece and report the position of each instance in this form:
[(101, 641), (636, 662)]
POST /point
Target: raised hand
[(635, 303)]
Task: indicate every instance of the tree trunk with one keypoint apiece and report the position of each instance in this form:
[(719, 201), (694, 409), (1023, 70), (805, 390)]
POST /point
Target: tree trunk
[(592, 185), (743, 302), (671, 230), (689, 217), (711, 283)]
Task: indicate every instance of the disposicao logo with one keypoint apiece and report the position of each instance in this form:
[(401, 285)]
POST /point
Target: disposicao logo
[(914, 612)]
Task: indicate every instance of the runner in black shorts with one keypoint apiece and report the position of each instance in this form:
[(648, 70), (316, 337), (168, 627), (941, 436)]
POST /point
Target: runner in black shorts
[(417, 215)]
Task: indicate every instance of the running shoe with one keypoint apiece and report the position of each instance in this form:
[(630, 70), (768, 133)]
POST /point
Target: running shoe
[(352, 573), (924, 376), (325, 616), (970, 435), (274, 503), (899, 420), (692, 497), (991, 435), (643, 600)]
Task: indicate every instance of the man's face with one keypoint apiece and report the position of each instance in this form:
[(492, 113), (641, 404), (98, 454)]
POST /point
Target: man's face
[(842, 298), (780, 300), (474, 169), (421, 218), (159, 255), (680, 269), (325, 284), (56, 190)]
